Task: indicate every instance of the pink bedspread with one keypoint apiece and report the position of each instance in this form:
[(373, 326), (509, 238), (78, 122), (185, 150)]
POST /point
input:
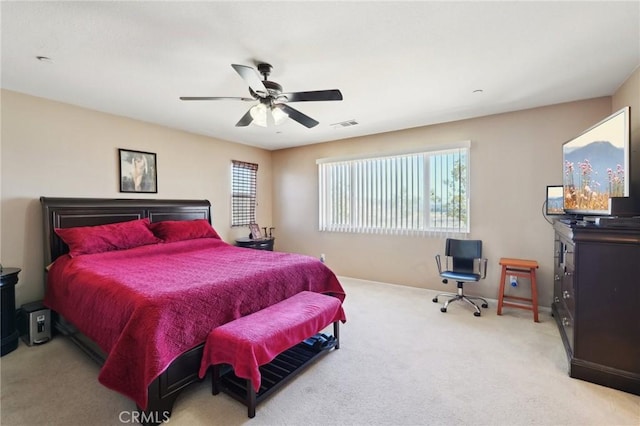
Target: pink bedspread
[(254, 340), (146, 306)]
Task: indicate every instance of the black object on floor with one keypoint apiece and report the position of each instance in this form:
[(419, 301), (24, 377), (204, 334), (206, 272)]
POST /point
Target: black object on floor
[(320, 342)]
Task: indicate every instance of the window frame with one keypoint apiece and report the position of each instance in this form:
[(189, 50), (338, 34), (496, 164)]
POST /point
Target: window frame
[(244, 193), (385, 181)]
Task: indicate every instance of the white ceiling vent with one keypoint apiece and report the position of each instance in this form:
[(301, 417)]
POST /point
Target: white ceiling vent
[(347, 123)]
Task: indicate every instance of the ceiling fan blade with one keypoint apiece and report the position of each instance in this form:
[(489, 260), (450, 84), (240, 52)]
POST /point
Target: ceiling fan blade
[(213, 98), (251, 77), (318, 95), (296, 115), (245, 120)]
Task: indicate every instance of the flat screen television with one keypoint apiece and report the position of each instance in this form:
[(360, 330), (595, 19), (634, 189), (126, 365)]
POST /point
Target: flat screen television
[(596, 166)]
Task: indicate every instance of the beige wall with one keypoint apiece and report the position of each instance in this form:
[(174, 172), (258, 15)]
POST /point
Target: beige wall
[(514, 156), (629, 95), (54, 149), (58, 150)]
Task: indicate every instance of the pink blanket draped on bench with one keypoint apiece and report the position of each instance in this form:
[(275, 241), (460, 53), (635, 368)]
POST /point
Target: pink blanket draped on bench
[(146, 306), (254, 340)]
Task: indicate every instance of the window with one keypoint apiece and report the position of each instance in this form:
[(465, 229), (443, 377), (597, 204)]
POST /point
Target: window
[(243, 193), (423, 193)]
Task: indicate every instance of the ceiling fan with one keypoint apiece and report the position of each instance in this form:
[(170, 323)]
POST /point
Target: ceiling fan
[(272, 108)]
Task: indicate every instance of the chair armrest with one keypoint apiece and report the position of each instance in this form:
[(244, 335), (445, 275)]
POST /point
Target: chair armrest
[(439, 264), (482, 263)]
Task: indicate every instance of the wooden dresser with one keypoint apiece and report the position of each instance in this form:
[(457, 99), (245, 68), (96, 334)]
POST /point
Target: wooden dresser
[(10, 334), (597, 302)]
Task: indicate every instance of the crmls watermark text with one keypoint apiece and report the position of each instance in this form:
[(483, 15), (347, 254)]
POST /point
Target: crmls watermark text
[(142, 417)]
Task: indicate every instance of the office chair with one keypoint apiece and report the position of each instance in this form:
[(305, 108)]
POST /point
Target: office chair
[(463, 263)]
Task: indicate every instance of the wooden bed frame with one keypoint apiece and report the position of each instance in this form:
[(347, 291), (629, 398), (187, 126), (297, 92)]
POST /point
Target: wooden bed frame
[(72, 212)]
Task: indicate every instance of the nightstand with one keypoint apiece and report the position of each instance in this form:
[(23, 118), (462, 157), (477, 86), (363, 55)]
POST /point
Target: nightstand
[(8, 281), (258, 244)]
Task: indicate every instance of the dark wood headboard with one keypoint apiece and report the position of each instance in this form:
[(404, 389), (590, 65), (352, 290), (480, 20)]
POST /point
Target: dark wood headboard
[(72, 212)]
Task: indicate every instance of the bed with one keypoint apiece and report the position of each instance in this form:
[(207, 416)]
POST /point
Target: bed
[(143, 312)]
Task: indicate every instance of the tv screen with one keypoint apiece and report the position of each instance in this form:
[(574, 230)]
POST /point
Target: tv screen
[(596, 166), (555, 200)]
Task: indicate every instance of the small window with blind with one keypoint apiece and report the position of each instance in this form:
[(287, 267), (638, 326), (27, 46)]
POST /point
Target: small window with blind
[(418, 193), (244, 177)]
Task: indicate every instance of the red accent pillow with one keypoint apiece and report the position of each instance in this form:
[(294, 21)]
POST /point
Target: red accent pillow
[(178, 230), (101, 238)]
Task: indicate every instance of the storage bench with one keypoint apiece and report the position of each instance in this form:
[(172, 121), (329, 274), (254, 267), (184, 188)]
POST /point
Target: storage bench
[(266, 349)]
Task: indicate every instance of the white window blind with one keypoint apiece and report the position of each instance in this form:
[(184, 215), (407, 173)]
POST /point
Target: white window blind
[(422, 193), (243, 193)]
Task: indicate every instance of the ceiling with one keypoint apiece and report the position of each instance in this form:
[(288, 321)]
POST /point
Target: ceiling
[(398, 64)]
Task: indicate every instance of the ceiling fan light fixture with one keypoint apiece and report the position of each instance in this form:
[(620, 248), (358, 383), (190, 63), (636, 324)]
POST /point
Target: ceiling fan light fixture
[(273, 108), (259, 115), (278, 115)]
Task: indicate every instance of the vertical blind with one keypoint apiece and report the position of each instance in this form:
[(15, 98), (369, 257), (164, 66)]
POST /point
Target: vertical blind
[(422, 193), (243, 193)]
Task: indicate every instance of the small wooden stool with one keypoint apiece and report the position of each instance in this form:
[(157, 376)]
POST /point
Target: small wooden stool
[(519, 268)]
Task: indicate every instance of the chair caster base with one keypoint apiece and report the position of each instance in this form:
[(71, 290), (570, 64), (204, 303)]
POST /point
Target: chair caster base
[(461, 297)]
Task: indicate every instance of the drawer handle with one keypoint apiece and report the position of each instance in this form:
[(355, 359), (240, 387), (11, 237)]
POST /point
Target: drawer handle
[(556, 299), (556, 277), (566, 322), (565, 295)]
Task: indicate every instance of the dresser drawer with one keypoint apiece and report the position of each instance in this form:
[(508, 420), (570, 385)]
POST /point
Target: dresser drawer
[(567, 292), (262, 244), (569, 256), (565, 321)]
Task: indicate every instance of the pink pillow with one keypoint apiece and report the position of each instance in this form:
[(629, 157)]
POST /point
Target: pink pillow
[(179, 230), (101, 238)]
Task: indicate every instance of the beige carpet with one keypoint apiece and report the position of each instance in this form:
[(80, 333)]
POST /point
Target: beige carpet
[(401, 362)]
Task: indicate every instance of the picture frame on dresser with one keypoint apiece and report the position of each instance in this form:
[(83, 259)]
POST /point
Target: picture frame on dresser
[(254, 229), (138, 171), (554, 204)]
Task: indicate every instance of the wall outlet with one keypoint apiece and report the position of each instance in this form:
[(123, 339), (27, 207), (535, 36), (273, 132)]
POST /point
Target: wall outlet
[(323, 258), (513, 280)]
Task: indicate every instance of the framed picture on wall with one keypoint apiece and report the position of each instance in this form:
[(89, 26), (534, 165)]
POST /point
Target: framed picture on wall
[(255, 231), (138, 171)]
